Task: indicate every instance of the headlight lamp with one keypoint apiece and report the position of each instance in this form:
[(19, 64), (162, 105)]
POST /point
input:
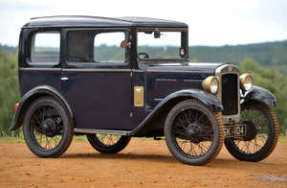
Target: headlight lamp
[(210, 84), (246, 81)]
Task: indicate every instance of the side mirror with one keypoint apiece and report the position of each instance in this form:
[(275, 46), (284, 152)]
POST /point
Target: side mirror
[(181, 52)]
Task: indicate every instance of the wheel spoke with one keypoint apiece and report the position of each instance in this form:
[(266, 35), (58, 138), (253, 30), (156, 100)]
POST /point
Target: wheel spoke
[(197, 145), (258, 119), (47, 138), (108, 139)]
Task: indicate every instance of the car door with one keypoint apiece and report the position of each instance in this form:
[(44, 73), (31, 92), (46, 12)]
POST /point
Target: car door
[(96, 79)]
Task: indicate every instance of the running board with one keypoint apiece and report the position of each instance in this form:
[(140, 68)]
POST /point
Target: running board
[(105, 131)]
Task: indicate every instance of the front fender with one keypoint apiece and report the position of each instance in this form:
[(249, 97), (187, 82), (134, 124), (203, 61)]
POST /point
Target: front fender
[(260, 94), (211, 101), (32, 95)]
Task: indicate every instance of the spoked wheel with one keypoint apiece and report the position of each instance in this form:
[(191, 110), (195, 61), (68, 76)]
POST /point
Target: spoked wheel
[(108, 143), (47, 129), (194, 135), (262, 130)]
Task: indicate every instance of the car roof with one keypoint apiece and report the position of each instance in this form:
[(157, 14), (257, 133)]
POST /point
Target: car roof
[(95, 21)]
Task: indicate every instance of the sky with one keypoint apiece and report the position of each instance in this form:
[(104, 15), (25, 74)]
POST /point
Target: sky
[(213, 23)]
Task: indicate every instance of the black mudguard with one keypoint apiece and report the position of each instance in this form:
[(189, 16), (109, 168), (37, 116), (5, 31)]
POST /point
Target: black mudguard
[(260, 94), (32, 95), (211, 101)]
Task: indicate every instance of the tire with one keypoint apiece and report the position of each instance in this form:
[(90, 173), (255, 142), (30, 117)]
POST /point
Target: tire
[(46, 117), (175, 127), (97, 142), (270, 127)]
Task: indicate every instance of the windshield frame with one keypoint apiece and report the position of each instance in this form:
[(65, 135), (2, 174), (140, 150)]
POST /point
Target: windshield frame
[(184, 43)]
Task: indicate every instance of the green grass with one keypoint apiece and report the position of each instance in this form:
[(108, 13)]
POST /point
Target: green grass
[(9, 139), (283, 139)]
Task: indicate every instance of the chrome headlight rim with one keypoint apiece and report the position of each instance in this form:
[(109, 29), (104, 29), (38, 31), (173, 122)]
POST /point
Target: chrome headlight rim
[(211, 84), (246, 81)]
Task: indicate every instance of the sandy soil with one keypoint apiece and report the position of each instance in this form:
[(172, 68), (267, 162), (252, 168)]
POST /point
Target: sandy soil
[(141, 164)]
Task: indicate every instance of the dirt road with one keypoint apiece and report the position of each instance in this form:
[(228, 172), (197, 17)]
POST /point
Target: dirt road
[(141, 164)]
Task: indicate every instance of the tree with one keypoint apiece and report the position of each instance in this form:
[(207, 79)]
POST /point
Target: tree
[(272, 80)]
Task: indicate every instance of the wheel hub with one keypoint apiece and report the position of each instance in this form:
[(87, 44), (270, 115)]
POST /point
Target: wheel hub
[(193, 129), (49, 127), (251, 131)]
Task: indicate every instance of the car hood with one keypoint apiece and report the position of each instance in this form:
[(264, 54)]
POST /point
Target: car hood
[(187, 67)]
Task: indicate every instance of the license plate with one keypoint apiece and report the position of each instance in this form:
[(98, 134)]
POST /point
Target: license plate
[(234, 130)]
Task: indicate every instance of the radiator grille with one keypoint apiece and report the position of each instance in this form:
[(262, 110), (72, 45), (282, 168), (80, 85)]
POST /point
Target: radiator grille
[(229, 94)]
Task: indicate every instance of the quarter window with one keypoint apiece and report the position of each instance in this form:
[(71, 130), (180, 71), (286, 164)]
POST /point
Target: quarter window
[(45, 48)]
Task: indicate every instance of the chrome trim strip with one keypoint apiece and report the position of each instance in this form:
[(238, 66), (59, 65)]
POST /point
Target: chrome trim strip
[(189, 80), (42, 69), (29, 69), (165, 80), (179, 71), (158, 99), (94, 131), (96, 70)]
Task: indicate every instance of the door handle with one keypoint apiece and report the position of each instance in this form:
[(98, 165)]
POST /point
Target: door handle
[(64, 78)]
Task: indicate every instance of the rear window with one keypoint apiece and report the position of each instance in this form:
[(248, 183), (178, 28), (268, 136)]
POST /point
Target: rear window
[(45, 48)]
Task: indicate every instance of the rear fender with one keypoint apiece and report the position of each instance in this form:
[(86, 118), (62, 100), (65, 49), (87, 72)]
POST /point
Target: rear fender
[(30, 96)]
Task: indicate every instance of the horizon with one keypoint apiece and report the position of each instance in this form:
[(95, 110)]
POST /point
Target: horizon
[(256, 43), (211, 23)]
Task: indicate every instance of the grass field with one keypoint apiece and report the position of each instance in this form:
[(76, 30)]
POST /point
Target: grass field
[(8, 139)]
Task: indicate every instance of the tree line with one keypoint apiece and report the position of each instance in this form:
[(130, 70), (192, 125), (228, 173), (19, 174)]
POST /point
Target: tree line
[(265, 75)]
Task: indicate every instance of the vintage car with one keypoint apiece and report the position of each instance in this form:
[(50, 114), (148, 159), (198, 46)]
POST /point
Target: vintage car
[(116, 78)]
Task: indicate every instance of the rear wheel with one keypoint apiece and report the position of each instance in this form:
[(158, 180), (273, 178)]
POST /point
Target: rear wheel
[(262, 130), (47, 128), (194, 135), (108, 143)]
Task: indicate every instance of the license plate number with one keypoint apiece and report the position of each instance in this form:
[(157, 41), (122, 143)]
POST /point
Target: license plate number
[(234, 131)]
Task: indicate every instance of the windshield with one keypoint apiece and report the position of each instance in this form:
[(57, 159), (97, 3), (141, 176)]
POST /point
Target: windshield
[(161, 44)]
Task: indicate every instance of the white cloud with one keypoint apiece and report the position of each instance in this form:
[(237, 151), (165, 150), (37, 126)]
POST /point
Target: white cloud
[(211, 22)]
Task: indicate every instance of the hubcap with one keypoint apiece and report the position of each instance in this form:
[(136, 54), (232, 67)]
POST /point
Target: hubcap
[(49, 127), (193, 133), (251, 131), (193, 129)]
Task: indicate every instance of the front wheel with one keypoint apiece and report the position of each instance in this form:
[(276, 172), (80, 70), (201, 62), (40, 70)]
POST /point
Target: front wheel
[(262, 130), (108, 143), (194, 135)]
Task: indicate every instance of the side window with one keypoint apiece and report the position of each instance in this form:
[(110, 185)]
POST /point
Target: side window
[(94, 47), (45, 48), (108, 48)]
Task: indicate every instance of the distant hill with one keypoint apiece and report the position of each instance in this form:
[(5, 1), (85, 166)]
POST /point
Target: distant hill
[(267, 53), (6, 48)]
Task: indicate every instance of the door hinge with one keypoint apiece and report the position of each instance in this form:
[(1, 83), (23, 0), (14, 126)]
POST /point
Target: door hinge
[(131, 114), (131, 74)]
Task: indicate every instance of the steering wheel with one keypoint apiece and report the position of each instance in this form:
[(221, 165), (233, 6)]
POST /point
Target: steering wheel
[(143, 55)]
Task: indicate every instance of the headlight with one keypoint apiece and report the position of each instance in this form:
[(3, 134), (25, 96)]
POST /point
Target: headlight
[(246, 81), (210, 84)]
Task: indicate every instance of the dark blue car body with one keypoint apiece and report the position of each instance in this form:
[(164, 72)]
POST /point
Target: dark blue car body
[(102, 97)]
